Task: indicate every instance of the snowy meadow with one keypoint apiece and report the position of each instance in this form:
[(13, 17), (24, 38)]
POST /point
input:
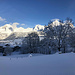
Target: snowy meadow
[(56, 64)]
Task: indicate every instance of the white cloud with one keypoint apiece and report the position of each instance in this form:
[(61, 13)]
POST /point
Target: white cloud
[(23, 24), (55, 19), (15, 24), (2, 19)]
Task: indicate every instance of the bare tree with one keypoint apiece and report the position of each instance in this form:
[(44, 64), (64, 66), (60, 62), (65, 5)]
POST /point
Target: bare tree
[(50, 40), (72, 41), (31, 42), (60, 34), (63, 32)]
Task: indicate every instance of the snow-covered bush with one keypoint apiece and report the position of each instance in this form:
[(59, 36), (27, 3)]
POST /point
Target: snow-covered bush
[(16, 48), (8, 50)]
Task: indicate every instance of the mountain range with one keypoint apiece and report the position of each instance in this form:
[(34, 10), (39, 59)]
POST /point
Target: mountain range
[(9, 32)]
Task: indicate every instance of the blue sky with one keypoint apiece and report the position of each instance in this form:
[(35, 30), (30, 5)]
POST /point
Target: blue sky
[(32, 12)]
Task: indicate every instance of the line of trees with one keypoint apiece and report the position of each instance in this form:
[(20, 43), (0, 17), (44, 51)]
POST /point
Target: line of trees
[(57, 38)]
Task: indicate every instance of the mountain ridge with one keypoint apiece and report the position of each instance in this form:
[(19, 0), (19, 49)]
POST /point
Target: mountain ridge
[(12, 31)]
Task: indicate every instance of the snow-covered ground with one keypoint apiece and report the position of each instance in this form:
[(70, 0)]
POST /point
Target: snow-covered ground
[(56, 64)]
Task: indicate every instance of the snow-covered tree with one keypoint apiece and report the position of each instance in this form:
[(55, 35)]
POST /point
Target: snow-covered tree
[(59, 34), (50, 37), (31, 42), (72, 41), (67, 31)]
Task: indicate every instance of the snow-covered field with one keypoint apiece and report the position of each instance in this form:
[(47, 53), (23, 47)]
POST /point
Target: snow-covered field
[(56, 64)]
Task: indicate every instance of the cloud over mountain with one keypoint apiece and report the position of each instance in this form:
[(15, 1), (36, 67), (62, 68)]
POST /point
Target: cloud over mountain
[(2, 19)]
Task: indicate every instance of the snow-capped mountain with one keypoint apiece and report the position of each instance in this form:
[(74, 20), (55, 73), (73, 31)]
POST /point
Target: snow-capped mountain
[(9, 31), (38, 28), (20, 29), (55, 22), (6, 29), (12, 31)]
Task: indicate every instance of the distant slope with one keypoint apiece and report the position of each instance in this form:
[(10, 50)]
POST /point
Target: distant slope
[(16, 35)]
